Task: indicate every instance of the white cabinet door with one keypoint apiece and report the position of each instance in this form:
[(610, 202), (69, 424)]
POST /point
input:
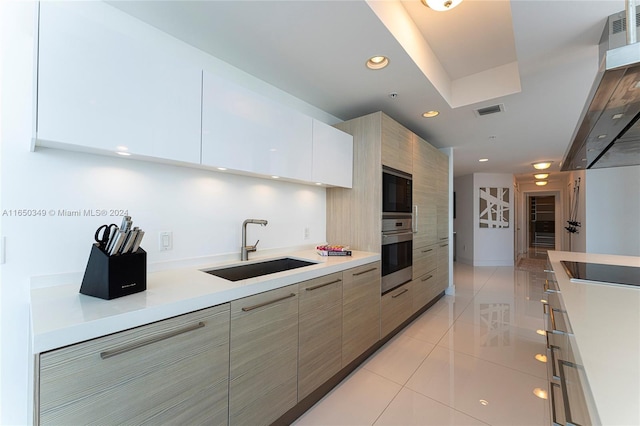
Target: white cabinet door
[(332, 156), (99, 88), (246, 132)]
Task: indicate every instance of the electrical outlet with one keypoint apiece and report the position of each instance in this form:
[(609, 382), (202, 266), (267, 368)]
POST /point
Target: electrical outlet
[(166, 241), (306, 233)]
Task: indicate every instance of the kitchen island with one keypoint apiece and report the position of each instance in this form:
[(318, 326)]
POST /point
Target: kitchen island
[(604, 319)]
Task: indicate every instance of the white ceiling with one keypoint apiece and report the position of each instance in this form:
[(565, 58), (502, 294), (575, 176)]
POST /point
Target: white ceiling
[(316, 50)]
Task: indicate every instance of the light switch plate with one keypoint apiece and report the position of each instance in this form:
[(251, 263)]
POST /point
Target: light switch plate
[(166, 241)]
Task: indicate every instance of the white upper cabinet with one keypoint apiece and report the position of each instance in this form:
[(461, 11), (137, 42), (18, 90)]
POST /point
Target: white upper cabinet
[(247, 132), (332, 156), (100, 88)]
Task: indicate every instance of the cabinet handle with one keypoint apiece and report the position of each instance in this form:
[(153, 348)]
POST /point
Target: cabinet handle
[(400, 294), (554, 417), (315, 287), (117, 351), (553, 322), (552, 352), (427, 251), (414, 219), (364, 272), (444, 245), (427, 277), (260, 305), (444, 238), (550, 271), (565, 395), (547, 288)]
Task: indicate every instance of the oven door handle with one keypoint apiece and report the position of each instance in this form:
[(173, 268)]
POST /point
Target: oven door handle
[(396, 237)]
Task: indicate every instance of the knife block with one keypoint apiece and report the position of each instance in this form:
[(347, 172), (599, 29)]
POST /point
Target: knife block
[(109, 277)]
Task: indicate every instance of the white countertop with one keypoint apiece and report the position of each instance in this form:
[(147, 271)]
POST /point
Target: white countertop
[(61, 316), (605, 320)]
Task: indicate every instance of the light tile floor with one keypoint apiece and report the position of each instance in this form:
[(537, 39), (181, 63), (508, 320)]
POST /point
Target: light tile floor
[(468, 360)]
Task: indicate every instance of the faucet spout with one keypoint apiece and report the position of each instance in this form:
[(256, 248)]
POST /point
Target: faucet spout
[(244, 251)]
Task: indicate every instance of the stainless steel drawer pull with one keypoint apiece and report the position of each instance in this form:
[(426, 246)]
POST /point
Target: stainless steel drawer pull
[(315, 287), (444, 238), (428, 277), (364, 272), (117, 351), (548, 289), (427, 251), (565, 395), (554, 417), (260, 305), (400, 294), (444, 245), (554, 372), (553, 322), (550, 271)]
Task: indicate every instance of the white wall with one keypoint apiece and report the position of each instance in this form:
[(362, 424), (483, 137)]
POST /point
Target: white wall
[(204, 209), (463, 223), (492, 246), (612, 199)]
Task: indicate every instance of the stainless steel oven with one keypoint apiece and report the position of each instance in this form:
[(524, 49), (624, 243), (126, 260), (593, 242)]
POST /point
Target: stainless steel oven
[(397, 250)]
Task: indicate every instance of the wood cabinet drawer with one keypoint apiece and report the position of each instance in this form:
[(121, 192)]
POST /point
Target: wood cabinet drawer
[(424, 260), (396, 306), (424, 289), (170, 372), (264, 356), (360, 310), (320, 332)]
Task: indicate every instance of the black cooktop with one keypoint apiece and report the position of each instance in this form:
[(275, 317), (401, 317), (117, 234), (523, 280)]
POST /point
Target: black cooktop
[(608, 274)]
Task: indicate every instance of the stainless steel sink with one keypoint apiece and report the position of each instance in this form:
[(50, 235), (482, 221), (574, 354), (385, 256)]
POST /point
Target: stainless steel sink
[(251, 270)]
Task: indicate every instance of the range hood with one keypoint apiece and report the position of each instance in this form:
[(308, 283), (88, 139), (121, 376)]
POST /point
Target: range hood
[(608, 133)]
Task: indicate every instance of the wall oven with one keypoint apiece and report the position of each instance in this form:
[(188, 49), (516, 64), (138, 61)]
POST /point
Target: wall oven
[(397, 251)]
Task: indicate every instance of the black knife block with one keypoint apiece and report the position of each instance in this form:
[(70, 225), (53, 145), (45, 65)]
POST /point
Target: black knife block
[(109, 277)]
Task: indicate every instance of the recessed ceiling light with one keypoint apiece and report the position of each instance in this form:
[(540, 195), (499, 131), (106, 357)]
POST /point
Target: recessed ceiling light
[(602, 136), (541, 175), (441, 5), (222, 168), (541, 182), (377, 62), (275, 177), (318, 183), (430, 114), (124, 154), (541, 165), (483, 160), (484, 402), (616, 116)]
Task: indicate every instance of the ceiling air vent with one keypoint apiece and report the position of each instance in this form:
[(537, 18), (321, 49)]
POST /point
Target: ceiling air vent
[(493, 109)]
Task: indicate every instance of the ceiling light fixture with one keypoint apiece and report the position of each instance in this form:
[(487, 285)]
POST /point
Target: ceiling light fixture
[(377, 62), (441, 5), (222, 169), (124, 154), (540, 393), (541, 182), (483, 160), (275, 177), (541, 175), (542, 165), (429, 114)]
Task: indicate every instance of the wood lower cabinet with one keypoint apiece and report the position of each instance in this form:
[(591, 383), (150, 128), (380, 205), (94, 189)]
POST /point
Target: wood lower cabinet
[(360, 310), (396, 307), (320, 332), (424, 289), (173, 371), (442, 271), (264, 356)]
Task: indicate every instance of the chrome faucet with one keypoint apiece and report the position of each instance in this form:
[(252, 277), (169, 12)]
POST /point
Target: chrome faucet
[(244, 252)]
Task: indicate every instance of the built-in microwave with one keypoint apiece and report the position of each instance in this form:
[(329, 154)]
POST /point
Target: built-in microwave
[(396, 191)]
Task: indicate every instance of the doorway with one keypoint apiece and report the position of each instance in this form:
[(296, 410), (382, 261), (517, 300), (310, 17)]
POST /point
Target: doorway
[(542, 225)]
